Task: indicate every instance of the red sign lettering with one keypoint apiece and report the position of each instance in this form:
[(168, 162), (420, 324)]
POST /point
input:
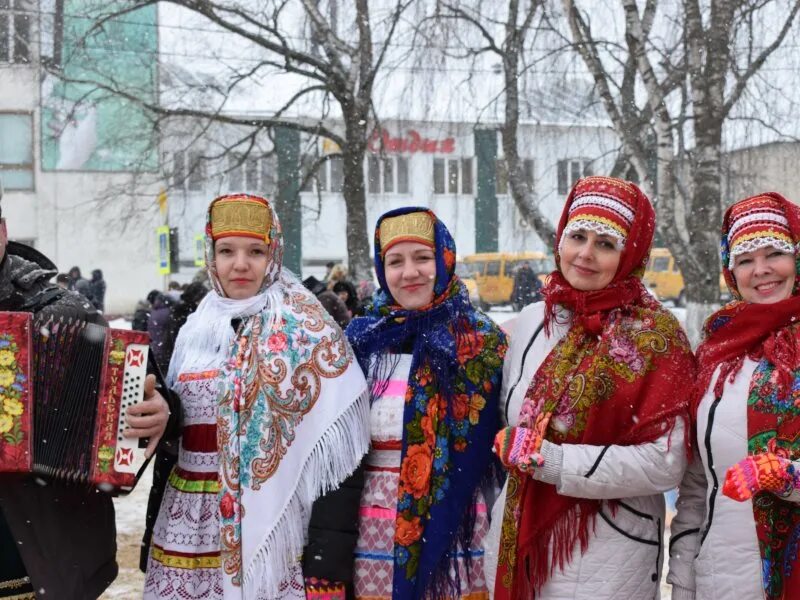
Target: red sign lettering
[(412, 143)]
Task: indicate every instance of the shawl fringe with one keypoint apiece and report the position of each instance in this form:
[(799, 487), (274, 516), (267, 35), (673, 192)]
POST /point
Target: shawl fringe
[(445, 579), (335, 456)]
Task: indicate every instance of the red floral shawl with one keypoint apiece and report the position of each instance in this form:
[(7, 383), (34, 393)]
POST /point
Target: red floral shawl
[(769, 334), (610, 380)]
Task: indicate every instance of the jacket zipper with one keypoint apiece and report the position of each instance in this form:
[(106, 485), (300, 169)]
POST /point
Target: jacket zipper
[(522, 367), (714, 488)]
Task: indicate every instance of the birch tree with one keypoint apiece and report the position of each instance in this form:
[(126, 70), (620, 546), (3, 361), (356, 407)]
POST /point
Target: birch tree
[(685, 67), (502, 30)]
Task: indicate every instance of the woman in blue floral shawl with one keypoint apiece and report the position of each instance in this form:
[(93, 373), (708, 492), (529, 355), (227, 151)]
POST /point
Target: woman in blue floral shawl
[(434, 365)]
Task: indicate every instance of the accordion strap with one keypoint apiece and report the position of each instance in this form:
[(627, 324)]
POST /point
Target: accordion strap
[(42, 299)]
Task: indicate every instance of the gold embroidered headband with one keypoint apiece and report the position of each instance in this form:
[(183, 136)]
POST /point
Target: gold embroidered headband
[(240, 216), (411, 227)]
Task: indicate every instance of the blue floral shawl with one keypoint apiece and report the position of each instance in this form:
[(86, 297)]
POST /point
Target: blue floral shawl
[(450, 418)]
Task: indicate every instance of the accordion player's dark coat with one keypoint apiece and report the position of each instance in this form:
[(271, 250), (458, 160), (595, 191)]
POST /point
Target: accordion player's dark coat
[(66, 535)]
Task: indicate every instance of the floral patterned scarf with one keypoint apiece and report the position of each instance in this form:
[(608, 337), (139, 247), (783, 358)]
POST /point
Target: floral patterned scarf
[(769, 334), (609, 380), (292, 419), (450, 418)]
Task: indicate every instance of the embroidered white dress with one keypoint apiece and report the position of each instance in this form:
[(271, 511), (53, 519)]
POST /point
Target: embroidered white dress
[(185, 555)]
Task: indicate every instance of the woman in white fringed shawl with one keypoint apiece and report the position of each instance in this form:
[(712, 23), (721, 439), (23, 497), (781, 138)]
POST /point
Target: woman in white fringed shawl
[(275, 413)]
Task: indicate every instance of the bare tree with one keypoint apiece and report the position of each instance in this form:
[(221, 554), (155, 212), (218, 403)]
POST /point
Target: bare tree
[(335, 62), (502, 30), (690, 68)]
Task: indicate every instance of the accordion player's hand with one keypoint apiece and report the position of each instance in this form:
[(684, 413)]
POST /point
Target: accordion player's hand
[(148, 418)]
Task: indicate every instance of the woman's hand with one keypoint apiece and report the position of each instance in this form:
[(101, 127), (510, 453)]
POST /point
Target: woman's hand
[(518, 447), (766, 472)]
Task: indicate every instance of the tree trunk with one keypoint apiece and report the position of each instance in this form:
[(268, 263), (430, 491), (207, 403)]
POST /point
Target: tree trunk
[(359, 251), (516, 176), (702, 283)]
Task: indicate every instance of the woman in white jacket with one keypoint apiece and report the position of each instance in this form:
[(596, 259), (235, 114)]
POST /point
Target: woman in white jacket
[(737, 529), (594, 398)]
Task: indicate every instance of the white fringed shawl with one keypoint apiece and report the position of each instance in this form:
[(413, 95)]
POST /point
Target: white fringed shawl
[(293, 418)]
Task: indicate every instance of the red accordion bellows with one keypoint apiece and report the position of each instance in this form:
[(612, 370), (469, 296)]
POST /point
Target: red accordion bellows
[(64, 388)]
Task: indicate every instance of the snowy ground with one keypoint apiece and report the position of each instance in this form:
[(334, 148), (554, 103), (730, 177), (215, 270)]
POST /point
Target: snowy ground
[(131, 512)]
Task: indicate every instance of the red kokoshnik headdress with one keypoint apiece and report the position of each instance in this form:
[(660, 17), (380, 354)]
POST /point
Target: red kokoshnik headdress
[(624, 205), (610, 380)]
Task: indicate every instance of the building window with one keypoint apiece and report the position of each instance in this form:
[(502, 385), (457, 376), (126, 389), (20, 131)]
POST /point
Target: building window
[(15, 31), (196, 175), (178, 169), (235, 179), (466, 175), (438, 175), (528, 172), (188, 170), (402, 175), (388, 175), (452, 176), (570, 170), (336, 174), (253, 174), (307, 178), (16, 151), (329, 176), (500, 177)]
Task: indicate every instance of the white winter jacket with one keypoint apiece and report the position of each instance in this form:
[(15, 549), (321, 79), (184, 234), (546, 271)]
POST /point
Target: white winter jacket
[(623, 560), (714, 549)]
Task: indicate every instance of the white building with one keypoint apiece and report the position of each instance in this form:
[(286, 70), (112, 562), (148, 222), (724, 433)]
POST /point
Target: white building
[(430, 164), (65, 212), (58, 200)]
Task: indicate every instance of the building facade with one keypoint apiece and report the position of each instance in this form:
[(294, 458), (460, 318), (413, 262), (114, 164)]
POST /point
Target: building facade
[(430, 164), (58, 195), (78, 189), (768, 167)]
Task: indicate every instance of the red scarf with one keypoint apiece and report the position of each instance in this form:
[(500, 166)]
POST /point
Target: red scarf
[(767, 333), (610, 380), (742, 329)]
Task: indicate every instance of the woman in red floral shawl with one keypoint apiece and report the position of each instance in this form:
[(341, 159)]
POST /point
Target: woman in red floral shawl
[(738, 524), (593, 396)]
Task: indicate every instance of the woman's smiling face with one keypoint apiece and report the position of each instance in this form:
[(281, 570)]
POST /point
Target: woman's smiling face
[(589, 261), (410, 271), (764, 276)]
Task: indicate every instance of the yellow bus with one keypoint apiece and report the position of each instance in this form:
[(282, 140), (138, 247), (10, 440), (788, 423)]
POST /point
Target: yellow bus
[(494, 273), (664, 278)]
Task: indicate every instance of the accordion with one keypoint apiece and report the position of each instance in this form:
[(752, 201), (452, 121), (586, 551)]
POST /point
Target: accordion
[(64, 388)]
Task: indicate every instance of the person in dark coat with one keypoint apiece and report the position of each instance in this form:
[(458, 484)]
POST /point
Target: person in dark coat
[(167, 455), (526, 286), (97, 286), (58, 539), (77, 283), (189, 301), (159, 328), (330, 302), (347, 292), (140, 316)]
